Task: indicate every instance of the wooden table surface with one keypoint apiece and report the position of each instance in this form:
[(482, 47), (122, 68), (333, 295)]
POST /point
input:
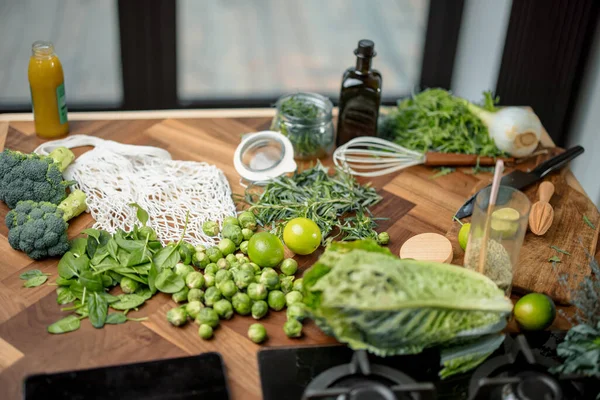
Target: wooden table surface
[(412, 201)]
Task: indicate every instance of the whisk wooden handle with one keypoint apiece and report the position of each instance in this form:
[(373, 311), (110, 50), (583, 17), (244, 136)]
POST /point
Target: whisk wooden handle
[(545, 191), (450, 159)]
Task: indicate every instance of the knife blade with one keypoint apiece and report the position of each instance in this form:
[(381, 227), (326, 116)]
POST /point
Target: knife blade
[(519, 179)]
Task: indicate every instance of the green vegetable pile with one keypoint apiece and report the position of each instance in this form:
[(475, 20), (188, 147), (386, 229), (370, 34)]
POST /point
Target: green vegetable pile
[(337, 203), (366, 297), (231, 284), (435, 120)]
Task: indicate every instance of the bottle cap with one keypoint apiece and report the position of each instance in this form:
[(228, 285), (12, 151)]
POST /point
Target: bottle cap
[(366, 48)]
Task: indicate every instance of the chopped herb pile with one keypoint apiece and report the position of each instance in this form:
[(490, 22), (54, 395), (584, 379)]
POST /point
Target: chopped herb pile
[(435, 120), (442, 172), (337, 203)]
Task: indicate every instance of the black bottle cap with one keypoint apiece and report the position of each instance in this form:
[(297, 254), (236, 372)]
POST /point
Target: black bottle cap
[(366, 48)]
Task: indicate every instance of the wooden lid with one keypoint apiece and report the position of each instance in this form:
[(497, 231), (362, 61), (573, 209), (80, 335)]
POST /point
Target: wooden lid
[(428, 247)]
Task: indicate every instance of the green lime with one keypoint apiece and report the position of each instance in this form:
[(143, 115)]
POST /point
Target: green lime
[(265, 249), (534, 312), (302, 235), (463, 235), (505, 222)]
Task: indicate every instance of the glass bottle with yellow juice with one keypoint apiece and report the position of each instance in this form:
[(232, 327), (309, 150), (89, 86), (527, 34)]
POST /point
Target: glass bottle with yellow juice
[(47, 84)]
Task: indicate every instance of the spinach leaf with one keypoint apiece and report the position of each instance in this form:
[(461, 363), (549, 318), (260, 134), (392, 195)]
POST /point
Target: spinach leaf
[(141, 269), (131, 275), (142, 215), (91, 282), (98, 309), (129, 245), (116, 318), (60, 281), (35, 281), (77, 289), (67, 324), (104, 238), (107, 264), (82, 310), (137, 257), (167, 257), (154, 245), (152, 274), (95, 233), (92, 246), (65, 295), (145, 292), (108, 297), (106, 281), (78, 246), (128, 301), (112, 247), (32, 273), (168, 281), (99, 256), (115, 276), (70, 266)]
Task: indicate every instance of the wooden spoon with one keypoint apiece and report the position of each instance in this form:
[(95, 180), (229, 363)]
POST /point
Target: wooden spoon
[(542, 213)]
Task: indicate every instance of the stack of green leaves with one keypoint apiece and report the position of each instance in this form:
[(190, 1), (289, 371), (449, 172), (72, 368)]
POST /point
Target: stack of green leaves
[(337, 203), (435, 120), (229, 283)]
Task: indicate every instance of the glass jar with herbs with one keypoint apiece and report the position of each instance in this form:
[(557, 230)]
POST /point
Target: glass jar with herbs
[(505, 233), (306, 120)]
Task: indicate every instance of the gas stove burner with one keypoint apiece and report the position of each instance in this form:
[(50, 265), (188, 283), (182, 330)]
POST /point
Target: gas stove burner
[(360, 380), (514, 376)]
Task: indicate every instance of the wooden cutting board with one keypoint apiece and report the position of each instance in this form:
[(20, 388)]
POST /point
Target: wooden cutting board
[(569, 232)]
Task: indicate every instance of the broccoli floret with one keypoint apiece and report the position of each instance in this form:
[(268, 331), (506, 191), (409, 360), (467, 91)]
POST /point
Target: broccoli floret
[(33, 177), (40, 229)]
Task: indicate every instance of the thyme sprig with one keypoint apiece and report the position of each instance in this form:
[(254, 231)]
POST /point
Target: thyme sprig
[(337, 203)]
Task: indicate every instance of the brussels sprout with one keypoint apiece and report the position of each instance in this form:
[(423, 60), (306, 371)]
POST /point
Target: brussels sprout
[(180, 296), (205, 331), (177, 316), (209, 281), (200, 248), (243, 278), (128, 285), (223, 308), (230, 221), (247, 233), (183, 270), (286, 283), (234, 233), (383, 238), (186, 252), (214, 254), (257, 291), (200, 259), (210, 228), (259, 309), (247, 220), (257, 269), (223, 264), (208, 316), (244, 247), (298, 285), (227, 246), (234, 265), (247, 267), (296, 311), (293, 297), (194, 280), (257, 333), (222, 275), (146, 232), (195, 295), (193, 308), (293, 328), (276, 300), (289, 266), (227, 288), (211, 269), (269, 278), (212, 295), (240, 257), (231, 258), (243, 259), (241, 303)]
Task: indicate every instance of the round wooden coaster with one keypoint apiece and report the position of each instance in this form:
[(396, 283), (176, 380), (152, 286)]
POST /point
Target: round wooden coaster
[(428, 247)]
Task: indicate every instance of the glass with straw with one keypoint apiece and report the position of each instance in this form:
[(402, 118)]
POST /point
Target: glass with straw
[(499, 220)]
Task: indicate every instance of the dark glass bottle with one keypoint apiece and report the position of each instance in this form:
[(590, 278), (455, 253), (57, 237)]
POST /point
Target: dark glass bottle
[(360, 96)]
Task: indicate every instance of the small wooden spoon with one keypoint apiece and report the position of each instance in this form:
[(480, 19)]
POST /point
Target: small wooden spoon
[(542, 213)]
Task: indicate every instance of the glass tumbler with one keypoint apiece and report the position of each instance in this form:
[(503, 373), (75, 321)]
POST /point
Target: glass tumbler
[(506, 231)]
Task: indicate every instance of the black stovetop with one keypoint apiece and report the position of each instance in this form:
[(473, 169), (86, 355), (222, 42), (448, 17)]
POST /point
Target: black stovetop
[(286, 373)]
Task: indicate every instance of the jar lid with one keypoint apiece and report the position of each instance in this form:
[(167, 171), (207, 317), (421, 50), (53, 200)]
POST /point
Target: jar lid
[(264, 155)]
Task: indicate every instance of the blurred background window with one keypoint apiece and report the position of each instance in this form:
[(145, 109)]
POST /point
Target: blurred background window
[(85, 34)]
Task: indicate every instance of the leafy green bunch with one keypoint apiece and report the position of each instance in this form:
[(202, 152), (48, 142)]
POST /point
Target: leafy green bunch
[(435, 120), (337, 203)]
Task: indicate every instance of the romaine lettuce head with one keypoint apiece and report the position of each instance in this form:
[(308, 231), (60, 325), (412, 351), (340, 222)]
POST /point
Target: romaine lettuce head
[(366, 297)]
